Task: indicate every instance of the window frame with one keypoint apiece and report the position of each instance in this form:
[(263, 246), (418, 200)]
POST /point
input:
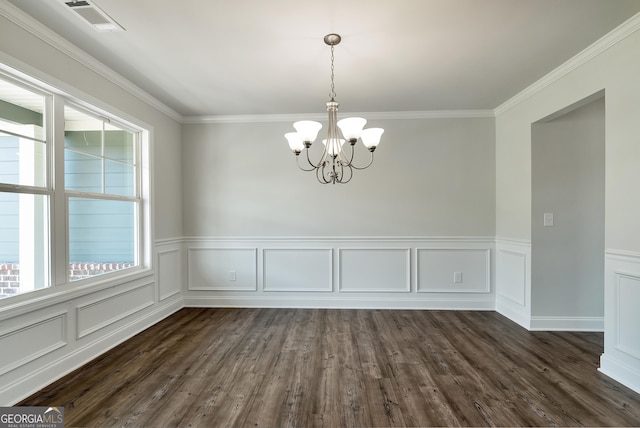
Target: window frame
[(57, 221)]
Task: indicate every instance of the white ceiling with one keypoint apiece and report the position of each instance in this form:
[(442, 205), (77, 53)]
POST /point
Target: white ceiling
[(248, 57)]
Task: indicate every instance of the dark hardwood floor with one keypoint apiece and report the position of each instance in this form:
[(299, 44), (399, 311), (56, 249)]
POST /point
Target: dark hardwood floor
[(344, 368)]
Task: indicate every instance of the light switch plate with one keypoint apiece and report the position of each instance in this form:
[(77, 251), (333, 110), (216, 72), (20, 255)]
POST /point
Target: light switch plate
[(548, 219)]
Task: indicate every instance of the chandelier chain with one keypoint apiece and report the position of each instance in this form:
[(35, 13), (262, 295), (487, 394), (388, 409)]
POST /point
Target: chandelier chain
[(332, 94)]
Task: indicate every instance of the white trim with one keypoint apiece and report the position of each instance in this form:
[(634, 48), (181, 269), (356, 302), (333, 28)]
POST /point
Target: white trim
[(341, 302), (381, 115), (625, 256), (339, 239), (547, 323), (168, 241), (517, 311), (513, 241), (193, 250), (621, 358), (621, 372), (120, 316), (61, 315), (621, 32), (406, 289), (417, 271), (159, 255), (617, 320), (523, 256), (506, 309), (266, 289), (400, 292)]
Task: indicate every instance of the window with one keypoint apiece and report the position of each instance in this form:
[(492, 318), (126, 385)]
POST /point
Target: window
[(78, 220), (24, 190), (101, 182)]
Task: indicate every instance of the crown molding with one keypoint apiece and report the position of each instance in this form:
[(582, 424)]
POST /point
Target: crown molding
[(45, 34), (31, 25), (389, 115), (619, 33)]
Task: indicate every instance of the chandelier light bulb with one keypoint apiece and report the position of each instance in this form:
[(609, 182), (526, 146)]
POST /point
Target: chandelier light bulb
[(307, 130), (351, 128), (295, 143), (334, 146), (371, 138)]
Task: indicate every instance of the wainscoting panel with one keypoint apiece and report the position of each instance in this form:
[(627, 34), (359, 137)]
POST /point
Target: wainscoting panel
[(49, 333), (621, 357), (513, 280), (169, 272), (628, 314), (453, 270), (339, 272), (299, 269), (375, 269), (29, 341), (105, 311), (511, 276), (231, 269)]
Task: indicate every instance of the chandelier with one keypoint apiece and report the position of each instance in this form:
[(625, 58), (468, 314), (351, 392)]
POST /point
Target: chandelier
[(336, 163)]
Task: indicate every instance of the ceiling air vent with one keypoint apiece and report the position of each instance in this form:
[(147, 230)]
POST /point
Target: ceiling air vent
[(94, 16)]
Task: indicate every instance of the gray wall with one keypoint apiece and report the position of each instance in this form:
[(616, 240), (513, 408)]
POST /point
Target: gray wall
[(431, 177), (567, 155)]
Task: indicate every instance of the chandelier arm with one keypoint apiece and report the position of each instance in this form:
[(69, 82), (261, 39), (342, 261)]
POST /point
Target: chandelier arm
[(325, 157), (350, 167), (350, 157), (304, 169), (314, 166), (363, 167)]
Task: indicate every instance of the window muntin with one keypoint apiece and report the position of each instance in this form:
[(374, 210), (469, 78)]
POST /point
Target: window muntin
[(22, 159), (100, 157)]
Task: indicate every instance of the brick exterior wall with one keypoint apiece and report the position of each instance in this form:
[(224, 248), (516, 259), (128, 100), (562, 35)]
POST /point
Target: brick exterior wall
[(10, 274), (9, 279), (85, 270)]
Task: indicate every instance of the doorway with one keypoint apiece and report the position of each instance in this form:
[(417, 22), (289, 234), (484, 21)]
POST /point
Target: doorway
[(567, 216)]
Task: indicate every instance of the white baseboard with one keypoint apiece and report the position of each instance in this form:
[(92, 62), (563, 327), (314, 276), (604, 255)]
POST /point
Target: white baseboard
[(620, 372), (567, 324), (514, 313), (341, 302), (35, 381)]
